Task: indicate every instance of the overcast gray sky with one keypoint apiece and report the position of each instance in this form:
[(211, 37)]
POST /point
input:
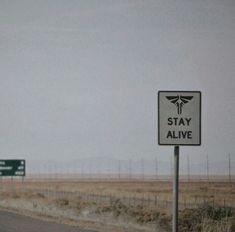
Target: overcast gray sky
[(80, 78)]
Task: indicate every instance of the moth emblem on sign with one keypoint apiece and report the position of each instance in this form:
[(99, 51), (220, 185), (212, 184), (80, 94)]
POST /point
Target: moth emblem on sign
[(179, 101)]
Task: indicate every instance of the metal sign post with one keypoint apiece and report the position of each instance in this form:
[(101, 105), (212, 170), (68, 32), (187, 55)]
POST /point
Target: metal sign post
[(179, 123), (175, 189)]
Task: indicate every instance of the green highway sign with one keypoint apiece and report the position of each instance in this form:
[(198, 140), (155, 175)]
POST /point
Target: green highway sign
[(12, 167)]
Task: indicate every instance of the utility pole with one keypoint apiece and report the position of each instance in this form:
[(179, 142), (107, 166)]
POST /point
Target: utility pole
[(142, 168), (229, 167), (55, 169), (171, 167), (188, 167), (130, 169), (90, 174), (156, 167), (119, 169), (82, 171), (207, 167)]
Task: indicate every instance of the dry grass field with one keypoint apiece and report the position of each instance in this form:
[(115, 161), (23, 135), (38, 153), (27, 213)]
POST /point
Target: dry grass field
[(194, 192), (124, 205)]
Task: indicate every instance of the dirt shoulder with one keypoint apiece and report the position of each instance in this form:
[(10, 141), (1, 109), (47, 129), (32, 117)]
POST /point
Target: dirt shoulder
[(76, 212), (11, 222)]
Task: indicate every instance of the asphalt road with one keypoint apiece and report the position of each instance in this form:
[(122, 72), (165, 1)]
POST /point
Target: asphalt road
[(10, 222)]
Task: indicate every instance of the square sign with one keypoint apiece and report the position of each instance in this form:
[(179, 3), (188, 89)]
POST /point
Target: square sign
[(179, 118)]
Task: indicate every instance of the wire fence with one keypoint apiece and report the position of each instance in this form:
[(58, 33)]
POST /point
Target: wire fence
[(104, 168), (129, 200), (128, 171)]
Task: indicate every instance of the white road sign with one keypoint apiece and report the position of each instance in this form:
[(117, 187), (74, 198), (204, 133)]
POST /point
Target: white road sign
[(179, 118)]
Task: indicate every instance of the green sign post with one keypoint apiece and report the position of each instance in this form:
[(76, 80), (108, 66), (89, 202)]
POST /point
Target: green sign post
[(12, 168)]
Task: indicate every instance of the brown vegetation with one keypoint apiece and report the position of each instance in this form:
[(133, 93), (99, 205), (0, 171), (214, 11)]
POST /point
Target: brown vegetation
[(120, 203)]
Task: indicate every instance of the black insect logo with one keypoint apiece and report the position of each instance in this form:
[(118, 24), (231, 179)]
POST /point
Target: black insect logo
[(179, 101)]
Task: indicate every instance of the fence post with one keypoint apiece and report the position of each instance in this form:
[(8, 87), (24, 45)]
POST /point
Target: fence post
[(229, 168), (155, 201)]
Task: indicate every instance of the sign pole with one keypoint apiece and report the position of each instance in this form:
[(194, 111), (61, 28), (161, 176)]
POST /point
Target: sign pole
[(175, 189), (179, 123)]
